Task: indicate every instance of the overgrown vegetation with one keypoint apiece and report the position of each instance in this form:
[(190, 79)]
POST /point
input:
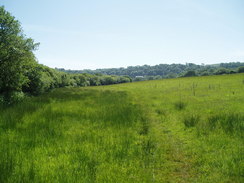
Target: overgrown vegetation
[(137, 132), (74, 135), (147, 72)]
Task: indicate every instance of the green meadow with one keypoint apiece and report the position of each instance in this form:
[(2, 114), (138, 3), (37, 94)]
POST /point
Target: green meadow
[(171, 130)]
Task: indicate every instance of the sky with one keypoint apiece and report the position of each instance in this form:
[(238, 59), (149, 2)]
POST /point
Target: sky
[(91, 34)]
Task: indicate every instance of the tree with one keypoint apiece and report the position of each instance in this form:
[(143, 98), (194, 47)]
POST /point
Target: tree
[(190, 73), (16, 54), (221, 71), (241, 69)]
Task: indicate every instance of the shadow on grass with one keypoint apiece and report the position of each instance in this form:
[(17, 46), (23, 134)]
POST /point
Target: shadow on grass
[(80, 104)]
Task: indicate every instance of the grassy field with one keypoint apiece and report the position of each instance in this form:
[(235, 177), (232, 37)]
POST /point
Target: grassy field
[(172, 130)]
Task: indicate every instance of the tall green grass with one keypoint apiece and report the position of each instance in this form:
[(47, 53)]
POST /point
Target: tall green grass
[(173, 130), (74, 135)]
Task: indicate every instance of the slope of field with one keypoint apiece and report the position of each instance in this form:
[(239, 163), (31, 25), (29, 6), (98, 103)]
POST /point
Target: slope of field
[(173, 130)]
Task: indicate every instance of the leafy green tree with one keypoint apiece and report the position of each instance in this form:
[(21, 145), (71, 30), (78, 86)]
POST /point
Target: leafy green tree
[(241, 69), (222, 71), (16, 54), (33, 85), (108, 80), (204, 73), (95, 80), (64, 80), (189, 74)]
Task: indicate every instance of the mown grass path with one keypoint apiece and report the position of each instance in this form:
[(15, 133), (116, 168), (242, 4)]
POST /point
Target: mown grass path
[(174, 162), (175, 130), (199, 126)]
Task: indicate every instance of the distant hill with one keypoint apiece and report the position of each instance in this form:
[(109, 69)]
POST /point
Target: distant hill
[(146, 72)]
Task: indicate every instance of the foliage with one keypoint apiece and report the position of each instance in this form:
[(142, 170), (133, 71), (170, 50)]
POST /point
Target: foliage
[(146, 72), (222, 71), (42, 79), (190, 73), (15, 54), (241, 69), (12, 97)]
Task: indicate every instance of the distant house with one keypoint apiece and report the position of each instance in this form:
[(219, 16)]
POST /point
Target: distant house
[(139, 77)]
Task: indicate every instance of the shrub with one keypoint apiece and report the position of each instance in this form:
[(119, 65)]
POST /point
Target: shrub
[(190, 74), (205, 73), (13, 97), (1, 99), (241, 69), (222, 71)]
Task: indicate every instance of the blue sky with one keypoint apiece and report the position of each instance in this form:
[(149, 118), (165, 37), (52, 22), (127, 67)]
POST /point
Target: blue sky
[(78, 34)]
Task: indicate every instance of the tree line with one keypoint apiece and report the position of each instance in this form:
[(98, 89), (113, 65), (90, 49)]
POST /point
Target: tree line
[(20, 73), (147, 72)]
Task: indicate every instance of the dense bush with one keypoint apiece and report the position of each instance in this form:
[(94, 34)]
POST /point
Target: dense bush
[(222, 71), (189, 74), (241, 69), (42, 78), (12, 97)]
